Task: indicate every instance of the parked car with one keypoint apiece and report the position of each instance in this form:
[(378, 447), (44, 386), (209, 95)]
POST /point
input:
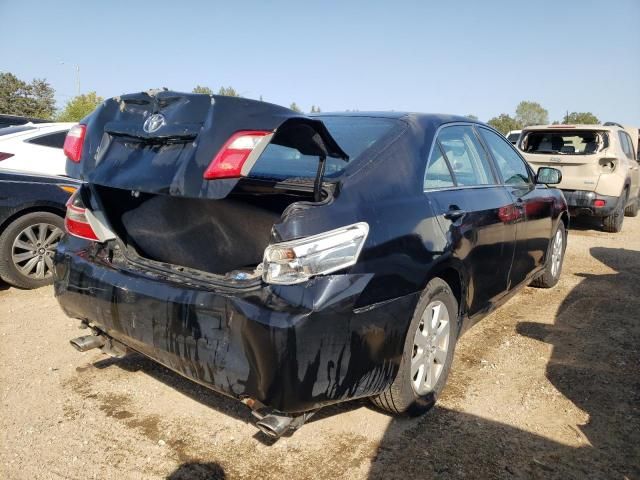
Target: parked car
[(295, 261), (9, 120), (599, 164), (513, 136), (35, 148), (32, 209)]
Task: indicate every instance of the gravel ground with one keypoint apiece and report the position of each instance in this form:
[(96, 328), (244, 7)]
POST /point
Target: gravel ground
[(546, 387)]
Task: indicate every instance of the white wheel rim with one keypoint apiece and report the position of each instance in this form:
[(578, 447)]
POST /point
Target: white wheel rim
[(556, 254), (430, 347)]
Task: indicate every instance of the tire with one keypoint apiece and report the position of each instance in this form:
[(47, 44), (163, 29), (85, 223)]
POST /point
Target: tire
[(632, 210), (555, 259), (613, 223), (404, 396), (29, 242)]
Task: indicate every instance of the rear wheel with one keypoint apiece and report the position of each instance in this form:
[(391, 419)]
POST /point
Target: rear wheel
[(613, 223), (632, 210), (428, 353), (555, 258), (27, 246)]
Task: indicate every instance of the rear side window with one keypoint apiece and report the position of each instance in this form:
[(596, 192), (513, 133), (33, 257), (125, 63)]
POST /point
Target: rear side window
[(466, 156), (510, 165), (625, 142), (355, 135), (54, 140), (438, 174)]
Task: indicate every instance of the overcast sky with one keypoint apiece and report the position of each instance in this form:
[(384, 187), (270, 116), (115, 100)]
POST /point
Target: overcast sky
[(464, 57)]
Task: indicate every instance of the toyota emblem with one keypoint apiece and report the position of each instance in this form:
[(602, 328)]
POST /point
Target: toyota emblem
[(154, 123)]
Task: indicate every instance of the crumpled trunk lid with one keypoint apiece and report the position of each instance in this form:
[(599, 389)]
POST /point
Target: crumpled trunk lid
[(162, 142)]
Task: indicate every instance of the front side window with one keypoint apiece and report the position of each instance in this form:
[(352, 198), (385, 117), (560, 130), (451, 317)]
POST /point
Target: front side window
[(510, 165), (465, 155), (438, 174)]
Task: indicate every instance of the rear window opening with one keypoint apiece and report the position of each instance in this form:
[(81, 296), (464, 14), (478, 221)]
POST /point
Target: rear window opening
[(212, 236), (574, 142)]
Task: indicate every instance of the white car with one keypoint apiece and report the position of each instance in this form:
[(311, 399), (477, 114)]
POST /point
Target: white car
[(34, 148), (513, 136)]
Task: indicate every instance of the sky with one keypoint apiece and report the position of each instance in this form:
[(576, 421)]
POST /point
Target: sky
[(455, 56)]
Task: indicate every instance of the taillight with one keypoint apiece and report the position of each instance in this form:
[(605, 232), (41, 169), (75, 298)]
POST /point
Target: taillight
[(234, 153), (73, 142), (4, 156), (76, 222), (599, 203)]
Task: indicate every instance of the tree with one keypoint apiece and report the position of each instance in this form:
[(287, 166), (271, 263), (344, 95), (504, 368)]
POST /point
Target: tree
[(294, 106), (17, 97), (228, 92), (472, 117), (315, 109), (504, 123), (531, 113), (204, 90), (584, 118), (79, 107)]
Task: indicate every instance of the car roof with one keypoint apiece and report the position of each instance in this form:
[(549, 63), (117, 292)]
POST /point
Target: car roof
[(573, 127), (441, 117)]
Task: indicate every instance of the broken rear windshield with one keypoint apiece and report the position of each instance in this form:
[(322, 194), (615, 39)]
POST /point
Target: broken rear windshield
[(353, 134), (574, 142)]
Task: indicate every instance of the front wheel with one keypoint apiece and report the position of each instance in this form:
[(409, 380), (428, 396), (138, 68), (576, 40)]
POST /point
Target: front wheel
[(555, 259), (428, 353)]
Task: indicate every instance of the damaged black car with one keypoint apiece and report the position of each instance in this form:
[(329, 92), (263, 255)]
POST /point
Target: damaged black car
[(292, 261)]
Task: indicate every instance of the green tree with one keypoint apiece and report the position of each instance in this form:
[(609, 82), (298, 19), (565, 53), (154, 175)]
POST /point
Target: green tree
[(228, 92), (531, 113), (315, 109), (204, 90), (17, 97), (584, 118), (294, 106), (472, 117), (79, 107), (504, 123)]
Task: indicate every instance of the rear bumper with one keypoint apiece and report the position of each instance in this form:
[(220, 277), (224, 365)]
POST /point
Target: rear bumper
[(294, 348), (581, 202)]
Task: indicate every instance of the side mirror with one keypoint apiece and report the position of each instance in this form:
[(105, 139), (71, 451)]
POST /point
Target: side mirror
[(548, 176)]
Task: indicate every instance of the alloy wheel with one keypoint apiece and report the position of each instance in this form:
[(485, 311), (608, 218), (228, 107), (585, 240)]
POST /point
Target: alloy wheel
[(430, 347), (33, 248), (556, 254)]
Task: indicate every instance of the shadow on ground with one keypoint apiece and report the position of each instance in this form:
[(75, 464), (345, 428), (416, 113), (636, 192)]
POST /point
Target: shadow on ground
[(594, 363)]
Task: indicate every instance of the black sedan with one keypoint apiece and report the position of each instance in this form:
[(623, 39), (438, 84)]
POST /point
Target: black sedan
[(295, 261), (32, 209)]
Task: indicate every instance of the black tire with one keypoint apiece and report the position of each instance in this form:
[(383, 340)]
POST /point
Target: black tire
[(9, 270), (401, 397), (551, 275), (632, 210), (613, 223)]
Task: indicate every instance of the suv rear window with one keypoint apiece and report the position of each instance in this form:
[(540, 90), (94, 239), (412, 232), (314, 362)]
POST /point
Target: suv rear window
[(353, 134), (574, 142)]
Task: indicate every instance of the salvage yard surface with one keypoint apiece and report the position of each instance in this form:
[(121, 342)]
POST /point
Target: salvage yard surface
[(547, 387)]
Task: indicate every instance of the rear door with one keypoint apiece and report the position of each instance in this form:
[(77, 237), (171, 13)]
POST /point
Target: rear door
[(474, 210), (533, 207)]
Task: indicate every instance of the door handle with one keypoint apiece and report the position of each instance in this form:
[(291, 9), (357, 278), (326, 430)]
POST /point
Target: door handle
[(454, 213)]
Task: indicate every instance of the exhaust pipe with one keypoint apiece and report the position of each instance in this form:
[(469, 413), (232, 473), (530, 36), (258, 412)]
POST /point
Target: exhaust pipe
[(274, 425), (87, 342)]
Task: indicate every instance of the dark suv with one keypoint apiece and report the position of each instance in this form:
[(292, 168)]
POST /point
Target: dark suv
[(295, 261)]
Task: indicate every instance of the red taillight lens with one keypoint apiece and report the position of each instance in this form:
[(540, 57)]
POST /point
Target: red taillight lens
[(599, 203), (76, 222), (74, 141), (232, 156), (4, 156)]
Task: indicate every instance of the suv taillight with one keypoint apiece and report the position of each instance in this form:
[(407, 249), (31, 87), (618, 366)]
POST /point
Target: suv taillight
[(234, 153), (76, 222), (74, 141)]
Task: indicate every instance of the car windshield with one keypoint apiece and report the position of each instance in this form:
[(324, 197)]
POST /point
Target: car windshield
[(574, 142), (513, 137), (353, 134)]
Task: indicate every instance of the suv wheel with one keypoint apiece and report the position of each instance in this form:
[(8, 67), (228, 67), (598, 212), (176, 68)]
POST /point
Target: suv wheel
[(428, 353), (632, 210), (27, 246), (613, 223), (555, 258)]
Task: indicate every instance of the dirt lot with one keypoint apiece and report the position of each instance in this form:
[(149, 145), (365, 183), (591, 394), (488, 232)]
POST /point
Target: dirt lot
[(547, 387)]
